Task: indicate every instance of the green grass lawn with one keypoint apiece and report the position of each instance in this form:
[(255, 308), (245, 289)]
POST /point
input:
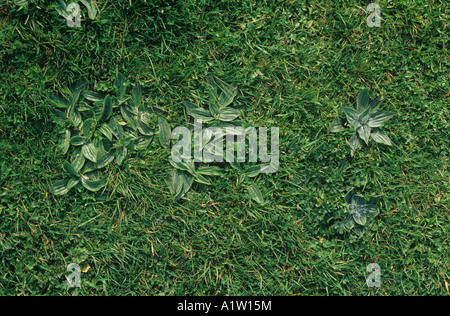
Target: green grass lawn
[(295, 64)]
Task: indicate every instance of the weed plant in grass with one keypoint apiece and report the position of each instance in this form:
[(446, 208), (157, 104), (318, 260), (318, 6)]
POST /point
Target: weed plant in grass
[(296, 63)]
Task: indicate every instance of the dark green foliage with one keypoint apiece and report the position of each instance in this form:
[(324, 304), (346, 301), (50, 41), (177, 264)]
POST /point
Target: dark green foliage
[(365, 121), (100, 129), (295, 63)]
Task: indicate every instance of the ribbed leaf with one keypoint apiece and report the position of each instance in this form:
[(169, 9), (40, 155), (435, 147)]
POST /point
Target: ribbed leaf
[(137, 95), (77, 141), (337, 126), (58, 101), (90, 152), (119, 85), (255, 194), (106, 130), (93, 185), (253, 171), (351, 114), (228, 114), (105, 160), (164, 132), (364, 133), (378, 118), (116, 128), (362, 101), (70, 169), (107, 108), (121, 153), (201, 179), (211, 171), (145, 130), (93, 96), (60, 187), (227, 96), (354, 143), (65, 141), (78, 160), (91, 7), (381, 138), (89, 127)]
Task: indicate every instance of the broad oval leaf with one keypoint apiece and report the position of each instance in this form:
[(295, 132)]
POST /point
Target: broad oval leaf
[(65, 141), (364, 133), (107, 108), (90, 152), (70, 169), (105, 160), (77, 141), (93, 185), (93, 96), (228, 114), (256, 194), (88, 127), (165, 132), (378, 118), (136, 95), (362, 101), (106, 130), (354, 143), (121, 153), (227, 96), (60, 187), (351, 114), (381, 138)]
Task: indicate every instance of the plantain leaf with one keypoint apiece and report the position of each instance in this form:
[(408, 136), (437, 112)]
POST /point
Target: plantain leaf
[(381, 138), (364, 133), (145, 130), (65, 141), (119, 85), (227, 96), (93, 185), (78, 160), (90, 152), (253, 171), (362, 101), (121, 153), (337, 126), (106, 130), (77, 141), (255, 194), (89, 127), (378, 118), (201, 179), (105, 160), (107, 108), (354, 143), (164, 132), (351, 114), (91, 7), (228, 114), (58, 101), (211, 171), (70, 169), (116, 128), (60, 187), (136, 95), (93, 96)]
